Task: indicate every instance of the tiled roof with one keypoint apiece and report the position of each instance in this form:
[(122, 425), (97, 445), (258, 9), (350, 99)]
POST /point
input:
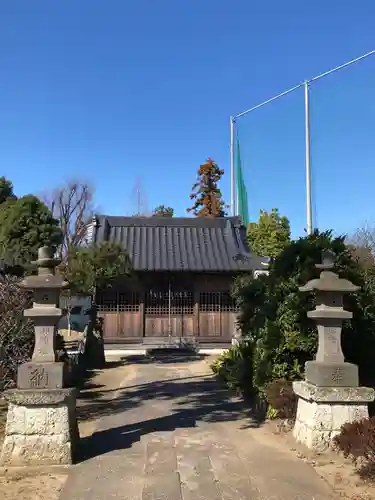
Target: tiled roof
[(180, 244)]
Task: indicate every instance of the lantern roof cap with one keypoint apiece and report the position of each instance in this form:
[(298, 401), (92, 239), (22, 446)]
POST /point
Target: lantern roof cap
[(328, 280), (46, 277)]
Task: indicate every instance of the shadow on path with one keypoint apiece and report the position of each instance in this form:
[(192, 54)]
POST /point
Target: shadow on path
[(187, 400), (166, 356)]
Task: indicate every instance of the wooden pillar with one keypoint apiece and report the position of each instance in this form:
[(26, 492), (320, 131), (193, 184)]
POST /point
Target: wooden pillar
[(196, 293), (142, 312), (118, 333)]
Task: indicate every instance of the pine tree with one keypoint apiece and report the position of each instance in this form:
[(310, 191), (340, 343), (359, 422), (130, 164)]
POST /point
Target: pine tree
[(26, 224), (6, 190), (207, 196)]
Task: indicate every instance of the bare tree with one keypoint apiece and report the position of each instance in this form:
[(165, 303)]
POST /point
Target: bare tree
[(16, 333), (73, 205), (362, 245), (139, 200)]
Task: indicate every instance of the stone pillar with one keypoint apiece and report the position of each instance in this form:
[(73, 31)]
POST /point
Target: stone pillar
[(41, 426), (330, 394)]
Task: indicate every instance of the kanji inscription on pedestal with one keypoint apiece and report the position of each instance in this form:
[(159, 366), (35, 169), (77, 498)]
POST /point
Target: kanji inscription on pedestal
[(38, 378), (337, 375)]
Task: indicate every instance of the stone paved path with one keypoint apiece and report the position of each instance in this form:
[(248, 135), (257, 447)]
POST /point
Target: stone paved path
[(172, 433)]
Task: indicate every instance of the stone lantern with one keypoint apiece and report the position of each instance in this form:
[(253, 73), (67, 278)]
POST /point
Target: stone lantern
[(41, 424), (329, 396)]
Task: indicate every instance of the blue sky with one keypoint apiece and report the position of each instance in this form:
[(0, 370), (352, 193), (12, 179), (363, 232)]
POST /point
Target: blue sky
[(119, 90)]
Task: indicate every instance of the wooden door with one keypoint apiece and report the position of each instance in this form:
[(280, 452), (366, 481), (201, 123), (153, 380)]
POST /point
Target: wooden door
[(168, 313), (217, 313), (120, 314)]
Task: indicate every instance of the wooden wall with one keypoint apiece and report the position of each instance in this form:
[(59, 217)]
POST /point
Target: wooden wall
[(200, 307)]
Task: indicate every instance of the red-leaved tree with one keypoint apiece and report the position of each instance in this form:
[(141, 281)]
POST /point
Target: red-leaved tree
[(206, 194)]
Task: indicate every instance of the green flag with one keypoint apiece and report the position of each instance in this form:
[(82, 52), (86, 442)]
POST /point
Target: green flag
[(242, 204)]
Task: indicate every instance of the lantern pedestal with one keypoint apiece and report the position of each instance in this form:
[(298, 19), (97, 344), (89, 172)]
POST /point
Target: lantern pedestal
[(322, 411), (41, 427)]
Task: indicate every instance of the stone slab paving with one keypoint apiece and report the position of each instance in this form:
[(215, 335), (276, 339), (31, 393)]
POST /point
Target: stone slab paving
[(173, 433)]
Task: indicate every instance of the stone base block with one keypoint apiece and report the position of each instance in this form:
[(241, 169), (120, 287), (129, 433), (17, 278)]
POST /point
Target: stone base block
[(41, 428), (35, 375), (322, 411), (324, 374)]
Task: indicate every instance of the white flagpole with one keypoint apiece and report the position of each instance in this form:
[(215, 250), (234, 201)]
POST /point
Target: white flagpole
[(307, 133), (232, 169), (308, 159)]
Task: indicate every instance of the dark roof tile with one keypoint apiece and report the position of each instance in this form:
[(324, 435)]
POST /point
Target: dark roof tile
[(180, 244)]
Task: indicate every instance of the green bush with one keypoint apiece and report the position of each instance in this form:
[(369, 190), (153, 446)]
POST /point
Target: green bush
[(234, 367), (273, 312)]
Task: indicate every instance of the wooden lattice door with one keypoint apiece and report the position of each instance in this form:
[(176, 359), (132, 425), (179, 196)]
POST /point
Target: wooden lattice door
[(121, 315), (217, 315), (168, 313)]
